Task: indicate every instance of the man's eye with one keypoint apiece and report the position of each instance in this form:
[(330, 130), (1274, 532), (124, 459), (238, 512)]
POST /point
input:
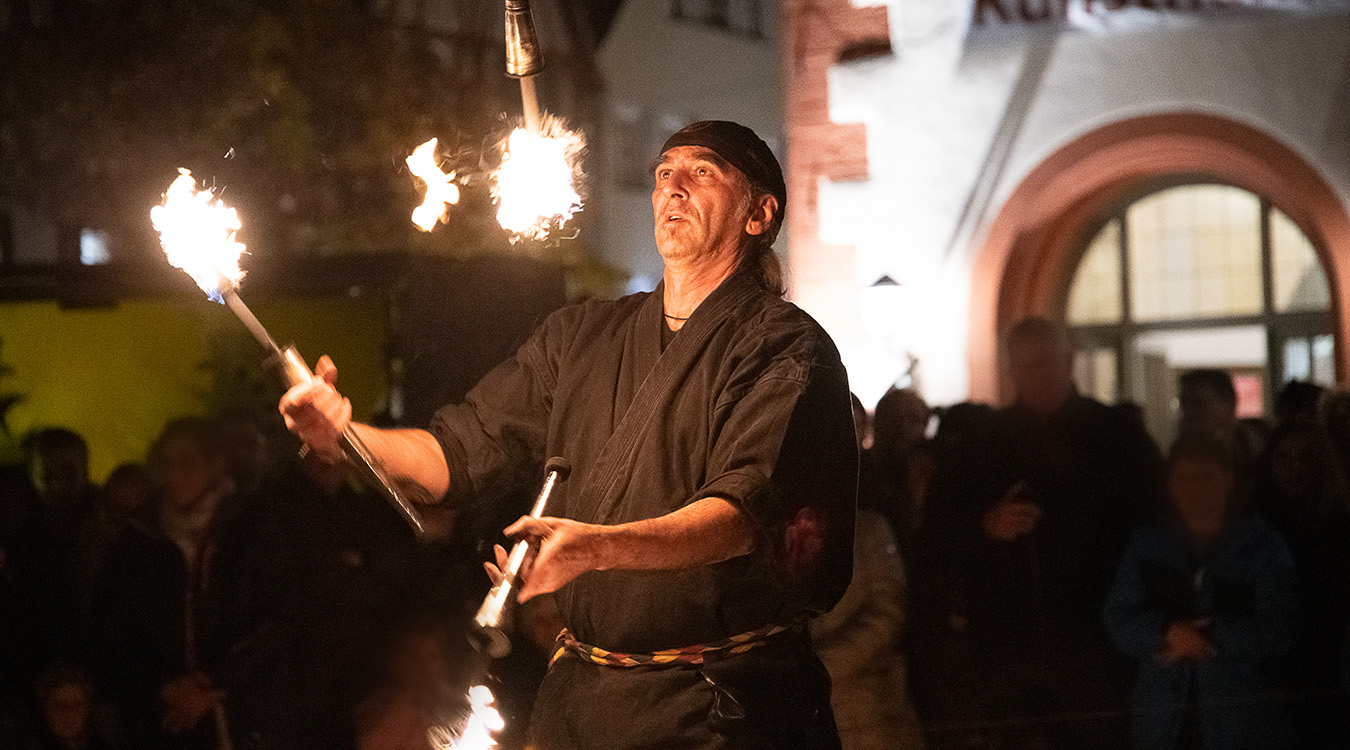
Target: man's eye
[(703, 171)]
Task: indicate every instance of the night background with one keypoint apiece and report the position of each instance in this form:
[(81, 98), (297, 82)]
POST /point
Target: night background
[(1165, 184)]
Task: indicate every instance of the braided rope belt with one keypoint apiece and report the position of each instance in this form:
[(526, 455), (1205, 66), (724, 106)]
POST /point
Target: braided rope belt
[(689, 657)]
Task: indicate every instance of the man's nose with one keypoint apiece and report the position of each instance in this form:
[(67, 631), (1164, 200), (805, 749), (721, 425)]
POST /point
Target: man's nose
[(676, 186)]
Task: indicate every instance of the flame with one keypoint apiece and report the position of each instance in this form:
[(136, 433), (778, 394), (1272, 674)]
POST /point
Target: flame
[(441, 188), (536, 186), (197, 231), (481, 724)]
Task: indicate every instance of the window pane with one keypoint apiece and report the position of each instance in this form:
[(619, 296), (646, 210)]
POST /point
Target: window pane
[(1095, 374), (1297, 360), (1095, 294), (1195, 251), (1161, 357), (1300, 283), (94, 247), (1324, 361)]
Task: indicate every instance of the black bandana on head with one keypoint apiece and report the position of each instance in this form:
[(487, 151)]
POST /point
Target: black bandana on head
[(741, 148)]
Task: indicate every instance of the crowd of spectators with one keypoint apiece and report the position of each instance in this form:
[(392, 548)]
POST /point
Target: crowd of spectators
[(1071, 584), (218, 597), (1037, 576)]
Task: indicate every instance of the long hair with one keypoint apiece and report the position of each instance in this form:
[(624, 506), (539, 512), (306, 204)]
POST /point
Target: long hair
[(759, 252)]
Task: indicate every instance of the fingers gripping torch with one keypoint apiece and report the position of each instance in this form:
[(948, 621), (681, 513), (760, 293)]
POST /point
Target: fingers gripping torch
[(291, 369), (489, 635)]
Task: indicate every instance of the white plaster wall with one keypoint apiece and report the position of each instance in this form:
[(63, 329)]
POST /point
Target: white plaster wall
[(932, 109), (678, 67)]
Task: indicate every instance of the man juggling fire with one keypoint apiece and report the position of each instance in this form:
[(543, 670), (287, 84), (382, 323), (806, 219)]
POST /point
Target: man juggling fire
[(710, 507)]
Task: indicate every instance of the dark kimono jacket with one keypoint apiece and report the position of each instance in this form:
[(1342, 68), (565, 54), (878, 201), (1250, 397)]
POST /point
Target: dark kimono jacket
[(748, 402)]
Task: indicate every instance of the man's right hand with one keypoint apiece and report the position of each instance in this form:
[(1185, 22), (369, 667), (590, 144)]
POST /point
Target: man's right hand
[(316, 413), (1009, 520)]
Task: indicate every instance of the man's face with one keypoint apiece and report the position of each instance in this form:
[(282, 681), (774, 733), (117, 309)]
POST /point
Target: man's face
[(67, 713), (1202, 407), (1042, 374), (186, 473), (701, 205), (61, 476), (1201, 492)]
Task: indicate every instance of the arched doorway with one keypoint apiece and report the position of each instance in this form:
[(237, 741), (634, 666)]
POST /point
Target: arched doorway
[(1198, 275), (1033, 247)]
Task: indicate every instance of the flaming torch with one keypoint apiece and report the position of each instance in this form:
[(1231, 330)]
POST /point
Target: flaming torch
[(524, 59), (535, 187), (198, 232), (442, 192), (489, 638)]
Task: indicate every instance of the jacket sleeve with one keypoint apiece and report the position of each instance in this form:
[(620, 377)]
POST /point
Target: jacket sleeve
[(783, 451), (1135, 629)]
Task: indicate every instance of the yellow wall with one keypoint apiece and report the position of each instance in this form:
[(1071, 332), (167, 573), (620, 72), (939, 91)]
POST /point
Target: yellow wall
[(116, 375)]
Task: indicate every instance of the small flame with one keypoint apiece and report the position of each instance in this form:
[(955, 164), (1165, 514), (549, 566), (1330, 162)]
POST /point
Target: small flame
[(483, 722), (441, 188), (536, 186), (197, 231)]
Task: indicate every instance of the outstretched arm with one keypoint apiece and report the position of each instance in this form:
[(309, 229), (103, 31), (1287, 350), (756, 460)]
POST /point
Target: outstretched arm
[(318, 415), (702, 533)]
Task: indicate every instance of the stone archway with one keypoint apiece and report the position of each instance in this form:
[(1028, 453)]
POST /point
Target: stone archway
[(1032, 246)]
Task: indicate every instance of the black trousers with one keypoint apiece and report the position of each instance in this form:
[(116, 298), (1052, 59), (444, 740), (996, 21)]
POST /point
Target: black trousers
[(772, 698)]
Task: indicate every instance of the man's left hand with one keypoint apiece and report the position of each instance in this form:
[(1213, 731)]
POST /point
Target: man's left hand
[(563, 549)]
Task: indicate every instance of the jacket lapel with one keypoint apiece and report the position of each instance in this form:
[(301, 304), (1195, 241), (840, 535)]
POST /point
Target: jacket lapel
[(666, 375)]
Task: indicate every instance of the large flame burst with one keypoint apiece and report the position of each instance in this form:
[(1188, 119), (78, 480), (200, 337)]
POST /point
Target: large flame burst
[(198, 231), (536, 187), (482, 723), (442, 192)]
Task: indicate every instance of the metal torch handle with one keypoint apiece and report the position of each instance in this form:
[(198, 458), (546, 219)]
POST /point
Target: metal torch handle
[(492, 613), (295, 371)]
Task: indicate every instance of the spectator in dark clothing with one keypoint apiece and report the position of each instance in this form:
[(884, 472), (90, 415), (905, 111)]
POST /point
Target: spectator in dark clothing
[(188, 609), (943, 682), (1301, 493), (414, 690), (896, 470), (66, 697), (1335, 421), (1064, 482), (24, 614), (1203, 601), (58, 466), (1298, 401), (245, 444), (1208, 401), (126, 498), (355, 565)]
